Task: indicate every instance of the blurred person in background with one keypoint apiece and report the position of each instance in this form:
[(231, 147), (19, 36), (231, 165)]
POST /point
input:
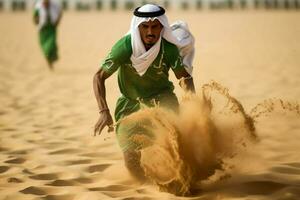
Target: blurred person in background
[(143, 58), (47, 15)]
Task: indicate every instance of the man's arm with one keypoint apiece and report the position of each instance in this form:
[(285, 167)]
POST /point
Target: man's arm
[(185, 81), (36, 17), (59, 18), (105, 118)]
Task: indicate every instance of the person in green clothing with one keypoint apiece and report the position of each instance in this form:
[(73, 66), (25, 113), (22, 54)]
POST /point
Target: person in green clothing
[(143, 58), (47, 15)]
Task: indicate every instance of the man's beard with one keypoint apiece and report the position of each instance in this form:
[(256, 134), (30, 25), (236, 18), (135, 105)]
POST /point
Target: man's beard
[(150, 44)]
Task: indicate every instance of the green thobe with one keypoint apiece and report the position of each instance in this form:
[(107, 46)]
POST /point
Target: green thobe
[(47, 37), (153, 86)]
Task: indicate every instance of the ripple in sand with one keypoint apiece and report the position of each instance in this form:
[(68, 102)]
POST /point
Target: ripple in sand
[(3, 149), (262, 187), (37, 131), (62, 183), (73, 138), (286, 170), (98, 168), (137, 198), (114, 194), (55, 144), (64, 151), (58, 127), (14, 180), (4, 169), (78, 162), (26, 171), (59, 197), (33, 190), (44, 177), (141, 191), (83, 180), (19, 152), (289, 193), (294, 164), (111, 188), (16, 161), (96, 155), (9, 129)]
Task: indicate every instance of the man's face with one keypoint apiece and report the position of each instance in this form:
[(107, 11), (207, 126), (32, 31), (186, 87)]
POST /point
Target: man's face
[(150, 32)]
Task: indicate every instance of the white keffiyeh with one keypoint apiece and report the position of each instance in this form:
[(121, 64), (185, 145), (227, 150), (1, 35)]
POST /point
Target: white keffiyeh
[(178, 34), (54, 12)]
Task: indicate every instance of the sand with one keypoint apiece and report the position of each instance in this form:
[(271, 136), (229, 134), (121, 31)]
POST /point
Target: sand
[(47, 150)]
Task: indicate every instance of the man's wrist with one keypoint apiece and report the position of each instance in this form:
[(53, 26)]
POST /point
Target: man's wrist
[(103, 110)]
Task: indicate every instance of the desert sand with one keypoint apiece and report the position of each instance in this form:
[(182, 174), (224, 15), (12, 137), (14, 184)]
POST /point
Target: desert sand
[(47, 147)]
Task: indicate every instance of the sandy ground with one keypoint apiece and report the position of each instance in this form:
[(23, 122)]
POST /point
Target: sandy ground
[(47, 150)]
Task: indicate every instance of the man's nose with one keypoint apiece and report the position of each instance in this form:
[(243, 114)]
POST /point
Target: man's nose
[(149, 31)]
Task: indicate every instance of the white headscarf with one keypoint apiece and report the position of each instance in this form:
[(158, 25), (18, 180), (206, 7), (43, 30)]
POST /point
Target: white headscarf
[(178, 34), (54, 9)]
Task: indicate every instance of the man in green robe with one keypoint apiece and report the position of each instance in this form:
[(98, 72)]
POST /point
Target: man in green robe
[(47, 15), (143, 59)]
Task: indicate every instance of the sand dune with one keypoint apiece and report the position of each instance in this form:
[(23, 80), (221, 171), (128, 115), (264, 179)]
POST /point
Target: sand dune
[(47, 150)]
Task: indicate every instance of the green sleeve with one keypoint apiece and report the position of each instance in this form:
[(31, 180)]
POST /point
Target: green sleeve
[(116, 57), (36, 12), (110, 64), (174, 59)]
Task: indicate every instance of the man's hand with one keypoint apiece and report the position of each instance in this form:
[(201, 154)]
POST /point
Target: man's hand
[(187, 84), (105, 119)]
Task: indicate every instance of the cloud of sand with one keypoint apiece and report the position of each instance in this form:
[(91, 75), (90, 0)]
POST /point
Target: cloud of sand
[(190, 145), (206, 140)]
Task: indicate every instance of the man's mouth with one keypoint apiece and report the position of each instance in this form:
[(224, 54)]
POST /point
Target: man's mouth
[(150, 36)]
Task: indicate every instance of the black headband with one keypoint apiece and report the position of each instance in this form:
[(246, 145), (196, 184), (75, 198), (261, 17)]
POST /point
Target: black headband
[(160, 12)]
